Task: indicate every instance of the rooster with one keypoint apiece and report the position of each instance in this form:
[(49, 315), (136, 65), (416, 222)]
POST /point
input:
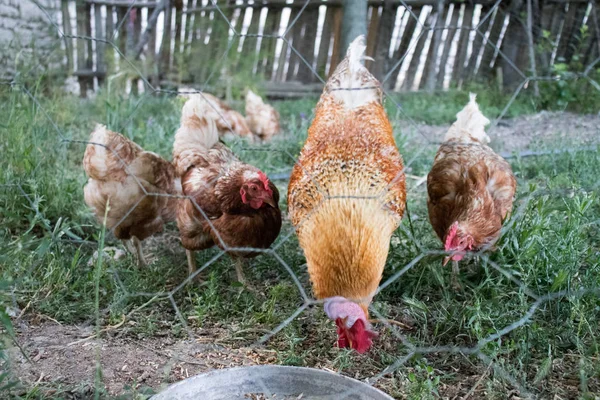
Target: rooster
[(237, 203), (470, 188), (347, 196), (132, 183), (263, 119)]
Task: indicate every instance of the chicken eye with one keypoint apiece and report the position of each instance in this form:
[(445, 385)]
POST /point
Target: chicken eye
[(253, 188)]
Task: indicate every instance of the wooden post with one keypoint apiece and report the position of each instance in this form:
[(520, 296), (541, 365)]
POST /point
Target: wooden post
[(354, 22)]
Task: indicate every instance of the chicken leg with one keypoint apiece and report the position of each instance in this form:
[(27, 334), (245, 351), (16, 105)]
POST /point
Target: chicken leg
[(239, 271), (191, 259), (137, 244), (134, 246)]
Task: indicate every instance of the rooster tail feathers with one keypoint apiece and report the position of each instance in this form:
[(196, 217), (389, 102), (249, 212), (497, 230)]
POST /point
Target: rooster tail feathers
[(470, 122), (351, 83), (197, 134)]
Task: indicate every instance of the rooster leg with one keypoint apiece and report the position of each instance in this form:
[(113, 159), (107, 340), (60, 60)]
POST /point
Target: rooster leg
[(138, 251), (455, 284)]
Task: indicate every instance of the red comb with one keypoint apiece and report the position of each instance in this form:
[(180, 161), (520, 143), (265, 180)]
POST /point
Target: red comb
[(263, 178)]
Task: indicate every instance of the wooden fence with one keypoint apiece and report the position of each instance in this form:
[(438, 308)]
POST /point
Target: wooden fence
[(416, 44)]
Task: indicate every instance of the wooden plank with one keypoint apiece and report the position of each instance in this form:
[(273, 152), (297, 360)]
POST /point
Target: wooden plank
[(407, 36), (189, 26), (514, 48), (100, 47), (177, 53), (452, 29), (544, 51), (372, 31), (485, 69), (571, 37), (593, 50), (298, 40), (122, 29), (306, 47), (478, 45), (463, 44), (81, 47), (337, 40), (384, 37), (151, 60), (429, 77), (66, 22), (415, 61), (247, 58), (164, 57), (272, 24), (325, 44)]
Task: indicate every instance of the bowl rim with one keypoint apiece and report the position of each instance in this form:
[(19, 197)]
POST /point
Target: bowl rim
[(223, 371)]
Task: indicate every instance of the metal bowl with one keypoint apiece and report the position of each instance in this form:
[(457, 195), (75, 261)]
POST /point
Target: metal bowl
[(267, 382)]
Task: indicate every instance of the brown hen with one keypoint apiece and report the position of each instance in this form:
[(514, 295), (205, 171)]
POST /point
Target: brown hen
[(236, 204), (347, 196), (132, 183), (263, 119), (470, 188)]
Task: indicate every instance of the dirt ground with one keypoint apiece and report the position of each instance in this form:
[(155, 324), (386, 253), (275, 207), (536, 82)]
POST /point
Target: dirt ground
[(68, 356), (528, 132)]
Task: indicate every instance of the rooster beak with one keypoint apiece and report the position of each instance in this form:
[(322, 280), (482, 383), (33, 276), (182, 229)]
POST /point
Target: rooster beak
[(446, 259)]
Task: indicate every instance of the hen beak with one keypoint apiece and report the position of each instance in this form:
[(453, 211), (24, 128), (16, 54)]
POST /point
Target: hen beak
[(270, 201), (446, 259)]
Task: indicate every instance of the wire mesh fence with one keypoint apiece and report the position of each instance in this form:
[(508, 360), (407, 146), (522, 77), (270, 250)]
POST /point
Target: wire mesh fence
[(492, 340)]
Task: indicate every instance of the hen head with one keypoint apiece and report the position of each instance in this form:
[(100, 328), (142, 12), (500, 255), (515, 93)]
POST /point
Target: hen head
[(353, 328), (255, 190), (458, 242)]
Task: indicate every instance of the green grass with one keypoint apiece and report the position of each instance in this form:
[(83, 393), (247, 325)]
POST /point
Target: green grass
[(552, 244)]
